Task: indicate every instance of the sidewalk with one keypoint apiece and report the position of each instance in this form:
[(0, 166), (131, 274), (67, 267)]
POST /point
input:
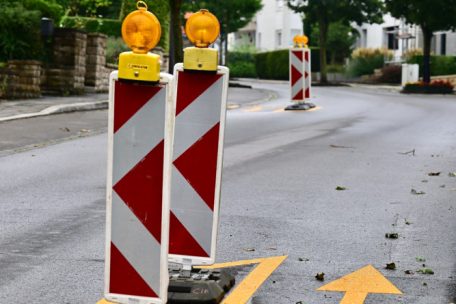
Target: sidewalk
[(49, 105)]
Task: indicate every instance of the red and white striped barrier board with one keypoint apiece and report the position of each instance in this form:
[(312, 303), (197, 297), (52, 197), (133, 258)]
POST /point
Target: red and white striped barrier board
[(141, 120), (197, 164), (300, 74)]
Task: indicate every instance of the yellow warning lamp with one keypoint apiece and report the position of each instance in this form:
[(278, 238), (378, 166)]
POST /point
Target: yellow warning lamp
[(300, 41), (141, 31), (202, 29)]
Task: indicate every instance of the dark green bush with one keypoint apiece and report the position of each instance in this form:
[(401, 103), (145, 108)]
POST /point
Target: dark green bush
[(48, 8), (20, 36), (110, 27), (275, 64), (242, 64), (435, 87), (115, 46), (391, 74), (440, 65)]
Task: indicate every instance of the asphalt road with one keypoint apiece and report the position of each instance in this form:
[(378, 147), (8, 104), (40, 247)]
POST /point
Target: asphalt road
[(278, 197)]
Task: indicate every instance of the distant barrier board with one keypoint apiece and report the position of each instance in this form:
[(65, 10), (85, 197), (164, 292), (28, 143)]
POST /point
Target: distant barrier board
[(300, 74)]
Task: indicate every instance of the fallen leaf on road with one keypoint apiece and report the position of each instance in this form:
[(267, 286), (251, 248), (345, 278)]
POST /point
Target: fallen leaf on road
[(424, 284), (392, 235), (249, 249), (84, 131), (340, 188), (426, 271), (340, 147), (452, 174), (391, 266), (65, 129), (420, 259), (434, 173), (407, 222), (303, 260), (271, 248), (424, 181), (409, 272), (442, 186), (320, 276), (413, 191), (408, 152)]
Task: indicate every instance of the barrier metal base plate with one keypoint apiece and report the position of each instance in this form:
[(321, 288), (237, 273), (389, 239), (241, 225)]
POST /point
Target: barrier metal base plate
[(198, 286), (300, 107)]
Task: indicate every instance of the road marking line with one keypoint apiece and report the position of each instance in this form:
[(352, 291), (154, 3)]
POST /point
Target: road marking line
[(357, 285), (247, 288)]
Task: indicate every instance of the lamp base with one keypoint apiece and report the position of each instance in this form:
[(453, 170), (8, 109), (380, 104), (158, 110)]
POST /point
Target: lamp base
[(200, 59), (140, 67)]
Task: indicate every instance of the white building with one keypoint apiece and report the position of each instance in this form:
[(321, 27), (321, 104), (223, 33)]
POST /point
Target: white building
[(394, 34), (273, 28)]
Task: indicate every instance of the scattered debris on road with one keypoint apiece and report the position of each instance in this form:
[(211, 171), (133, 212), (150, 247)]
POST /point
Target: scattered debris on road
[(64, 129), (415, 192), (340, 188), (412, 152), (452, 174), (409, 272), (407, 222), (340, 147), (426, 271), (303, 259), (249, 249), (434, 173), (420, 259), (320, 276), (391, 266), (392, 235)]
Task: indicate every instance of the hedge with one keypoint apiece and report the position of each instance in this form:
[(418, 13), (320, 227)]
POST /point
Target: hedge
[(440, 65), (110, 27), (275, 64), (242, 64)]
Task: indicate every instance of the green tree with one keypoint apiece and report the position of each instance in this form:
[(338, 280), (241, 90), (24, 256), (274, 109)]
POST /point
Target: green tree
[(431, 16), (325, 12), (341, 39), (232, 14)]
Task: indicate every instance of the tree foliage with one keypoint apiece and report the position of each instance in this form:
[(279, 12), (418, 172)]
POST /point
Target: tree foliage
[(325, 12), (431, 16), (232, 14)]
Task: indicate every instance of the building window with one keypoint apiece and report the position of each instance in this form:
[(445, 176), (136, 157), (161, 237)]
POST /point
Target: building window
[(278, 38), (443, 42), (391, 37)]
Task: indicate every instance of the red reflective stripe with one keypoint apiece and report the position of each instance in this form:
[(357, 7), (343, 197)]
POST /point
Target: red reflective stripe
[(191, 86), (199, 165), (295, 75), (306, 54), (142, 189), (307, 93), (129, 98), (124, 279), (299, 96), (181, 241), (298, 54)]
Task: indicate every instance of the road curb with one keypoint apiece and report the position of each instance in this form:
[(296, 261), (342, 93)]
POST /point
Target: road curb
[(59, 109)]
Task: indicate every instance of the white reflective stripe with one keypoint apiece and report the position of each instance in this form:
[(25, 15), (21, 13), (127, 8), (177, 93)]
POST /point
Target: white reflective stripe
[(297, 63), (198, 118), (298, 86), (191, 210), (139, 135), (136, 243)]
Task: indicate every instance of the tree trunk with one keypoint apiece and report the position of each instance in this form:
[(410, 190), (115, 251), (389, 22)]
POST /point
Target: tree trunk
[(175, 34), (323, 25), (427, 37), (225, 50)]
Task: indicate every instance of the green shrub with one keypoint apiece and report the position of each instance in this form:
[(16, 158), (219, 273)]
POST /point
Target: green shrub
[(48, 9), (275, 64), (242, 64), (364, 61), (115, 46), (440, 65), (20, 36), (110, 27), (435, 87)]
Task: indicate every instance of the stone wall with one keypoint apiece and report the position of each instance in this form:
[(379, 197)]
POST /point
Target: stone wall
[(66, 73), (20, 79), (96, 71)]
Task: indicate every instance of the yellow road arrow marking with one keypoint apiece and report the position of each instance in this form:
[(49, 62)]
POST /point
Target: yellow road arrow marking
[(247, 288), (359, 284)]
